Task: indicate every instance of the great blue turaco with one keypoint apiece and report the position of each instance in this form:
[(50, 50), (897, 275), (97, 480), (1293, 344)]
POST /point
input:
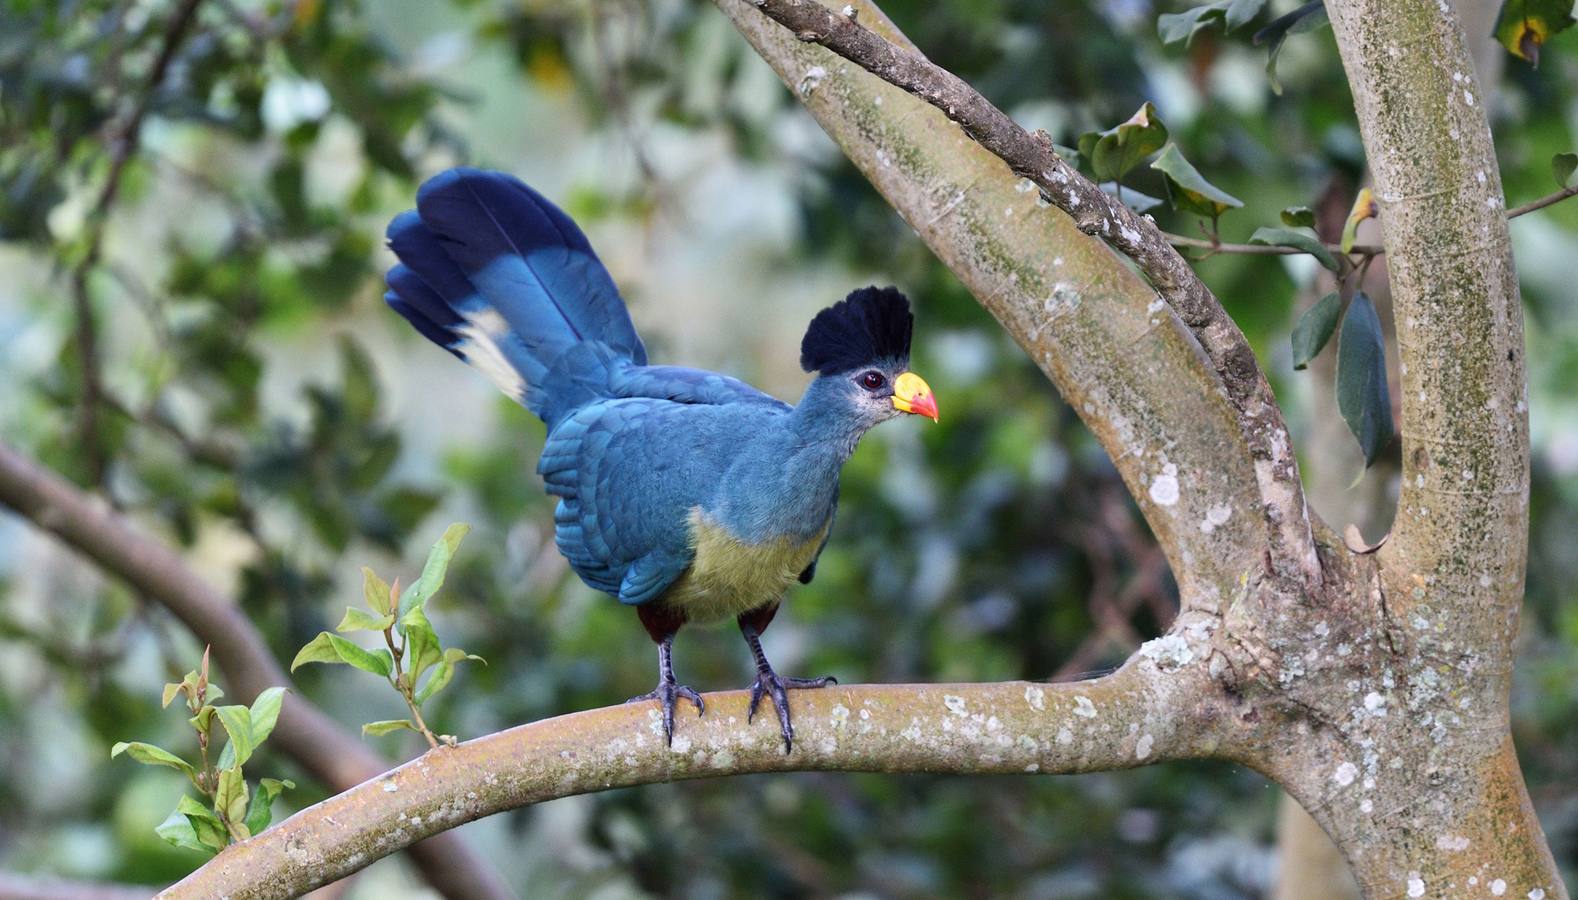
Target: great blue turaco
[(686, 494)]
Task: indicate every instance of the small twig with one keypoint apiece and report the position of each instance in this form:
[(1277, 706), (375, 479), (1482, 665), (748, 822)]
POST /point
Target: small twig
[(1180, 240), (405, 686), (1543, 202), (1367, 251)]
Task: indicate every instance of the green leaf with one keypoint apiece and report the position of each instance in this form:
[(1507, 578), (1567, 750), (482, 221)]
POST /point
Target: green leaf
[(375, 591), (444, 673), (150, 755), (1562, 167), (170, 692), (1525, 25), (387, 726), (362, 620), (265, 713), (1188, 190), (1175, 27), (1117, 150), (1306, 18), (1298, 217), (422, 648), (230, 799), (194, 827), (1315, 328), (260, 809), (433, 572), (1298, 240), (203, 719), (237, 721), (1362, 393), (331, 648)]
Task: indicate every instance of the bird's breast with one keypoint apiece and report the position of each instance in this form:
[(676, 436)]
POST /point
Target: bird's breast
[(729, 576)]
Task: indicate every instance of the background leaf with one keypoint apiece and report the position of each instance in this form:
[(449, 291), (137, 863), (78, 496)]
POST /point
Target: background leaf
[(1562, 167), (1362, 393), (1315, 328), (1188, 189)]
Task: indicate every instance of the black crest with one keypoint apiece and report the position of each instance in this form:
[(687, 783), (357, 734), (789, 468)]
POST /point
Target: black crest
[(870, 324)]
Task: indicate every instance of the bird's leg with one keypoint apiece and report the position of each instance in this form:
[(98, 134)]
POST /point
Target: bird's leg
[(769, 682), (667, 691), (662, 625)]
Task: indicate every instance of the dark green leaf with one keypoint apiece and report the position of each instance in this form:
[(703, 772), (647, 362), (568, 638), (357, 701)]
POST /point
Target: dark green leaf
[(1315, 328), (1362, 393), (1306, 18), (1298, 240), (1188, 190), (1120, 149), (433, 572), (1562, 167), (259, 809), (1525, 25), (1298, 217)]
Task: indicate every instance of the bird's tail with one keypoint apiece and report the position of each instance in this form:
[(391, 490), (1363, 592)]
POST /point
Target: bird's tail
[(497, 275)]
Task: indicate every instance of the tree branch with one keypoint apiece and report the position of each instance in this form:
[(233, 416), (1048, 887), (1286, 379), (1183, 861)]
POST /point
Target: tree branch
[(1099, 214), (1136, 716), (330, 753)]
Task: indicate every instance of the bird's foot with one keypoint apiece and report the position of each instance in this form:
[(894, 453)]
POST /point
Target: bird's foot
[(771, 683), (667, 694)]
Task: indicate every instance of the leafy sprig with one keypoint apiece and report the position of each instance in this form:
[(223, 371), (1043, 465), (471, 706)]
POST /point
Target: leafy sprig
[(412, 659), (231, 810)]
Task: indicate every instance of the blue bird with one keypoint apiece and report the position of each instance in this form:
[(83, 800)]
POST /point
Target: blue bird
[(686, 494)]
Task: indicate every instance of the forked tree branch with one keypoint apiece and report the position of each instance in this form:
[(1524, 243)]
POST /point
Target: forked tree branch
[(1128, 367), (1100, 215), (1136, 716), (333, 755)]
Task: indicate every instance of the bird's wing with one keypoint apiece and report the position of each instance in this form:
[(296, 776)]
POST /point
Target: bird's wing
[(683, 385), (628, 472)]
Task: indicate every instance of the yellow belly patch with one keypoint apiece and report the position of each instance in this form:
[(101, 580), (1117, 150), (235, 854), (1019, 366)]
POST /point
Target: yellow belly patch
[(729, 576)]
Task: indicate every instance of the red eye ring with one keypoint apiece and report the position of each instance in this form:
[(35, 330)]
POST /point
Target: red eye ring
[(872, 381)]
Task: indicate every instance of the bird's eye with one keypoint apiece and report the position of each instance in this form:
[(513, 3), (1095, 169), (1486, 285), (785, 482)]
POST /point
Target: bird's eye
[(872, 381)]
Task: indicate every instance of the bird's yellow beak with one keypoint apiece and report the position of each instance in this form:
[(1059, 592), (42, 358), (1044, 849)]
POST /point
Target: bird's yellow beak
[(912, 394)]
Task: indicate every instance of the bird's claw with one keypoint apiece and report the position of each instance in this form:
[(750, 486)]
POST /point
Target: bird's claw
[(770, 682), (666, 694)]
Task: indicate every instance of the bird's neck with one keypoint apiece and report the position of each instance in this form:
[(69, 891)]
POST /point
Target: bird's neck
[(822, 425)]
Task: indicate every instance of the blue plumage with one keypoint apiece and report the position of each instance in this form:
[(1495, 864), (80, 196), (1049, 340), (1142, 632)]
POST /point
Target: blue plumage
[(688, 494)]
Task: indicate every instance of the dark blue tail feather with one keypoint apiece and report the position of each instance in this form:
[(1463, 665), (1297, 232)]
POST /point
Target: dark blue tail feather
[(498, 275)]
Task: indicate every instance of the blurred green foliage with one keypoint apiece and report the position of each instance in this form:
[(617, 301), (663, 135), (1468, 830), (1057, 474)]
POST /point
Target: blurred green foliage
[(262, 410)]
